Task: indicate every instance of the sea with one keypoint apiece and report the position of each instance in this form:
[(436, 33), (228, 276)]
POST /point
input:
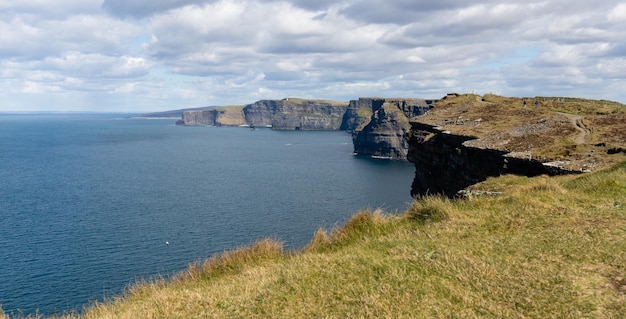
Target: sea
[(92, 203)]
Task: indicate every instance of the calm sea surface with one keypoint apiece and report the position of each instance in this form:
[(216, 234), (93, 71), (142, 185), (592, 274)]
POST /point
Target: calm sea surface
[(88, 202)]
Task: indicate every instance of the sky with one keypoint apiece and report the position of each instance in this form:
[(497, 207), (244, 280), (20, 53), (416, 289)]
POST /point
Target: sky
[(147, 55)]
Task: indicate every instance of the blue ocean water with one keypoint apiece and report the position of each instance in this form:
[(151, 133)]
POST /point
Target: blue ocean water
[(89, 201)]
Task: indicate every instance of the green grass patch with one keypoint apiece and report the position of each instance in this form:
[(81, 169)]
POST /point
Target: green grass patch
[(229, 108), (364, 112), (296, 101)]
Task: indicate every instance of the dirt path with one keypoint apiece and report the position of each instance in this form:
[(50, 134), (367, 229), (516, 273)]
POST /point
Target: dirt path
[(578, 123)]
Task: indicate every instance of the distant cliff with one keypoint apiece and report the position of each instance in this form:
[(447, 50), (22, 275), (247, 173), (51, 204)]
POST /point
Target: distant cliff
[(285, 114), (175, 113), (220, 116), (379, 126), (296, 114)]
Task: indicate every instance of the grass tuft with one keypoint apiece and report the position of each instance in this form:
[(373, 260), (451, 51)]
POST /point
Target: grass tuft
[(543, 185), (235, 260), (429, 209), (320, 240), (363, 224)]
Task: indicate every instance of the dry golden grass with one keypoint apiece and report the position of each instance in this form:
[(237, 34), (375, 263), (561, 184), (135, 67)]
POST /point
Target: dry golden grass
[(545, 248)]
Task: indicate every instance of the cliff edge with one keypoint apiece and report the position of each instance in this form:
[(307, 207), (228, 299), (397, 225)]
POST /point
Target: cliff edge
[(464, 139)]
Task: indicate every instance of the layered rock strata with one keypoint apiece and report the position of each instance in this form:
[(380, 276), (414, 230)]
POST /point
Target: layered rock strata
[(380, 126), (224, 116), (445, 164), (285, 114), (296, 114)]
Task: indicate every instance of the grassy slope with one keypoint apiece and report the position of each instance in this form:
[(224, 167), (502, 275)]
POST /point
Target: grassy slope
[(546, 248)]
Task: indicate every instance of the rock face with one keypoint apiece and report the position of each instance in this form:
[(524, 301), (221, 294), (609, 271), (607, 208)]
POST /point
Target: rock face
[(199, 117), (286, 114), (296, 114), (359, 113), (261, 113), (445, 165), (224, 116), (380, 126)]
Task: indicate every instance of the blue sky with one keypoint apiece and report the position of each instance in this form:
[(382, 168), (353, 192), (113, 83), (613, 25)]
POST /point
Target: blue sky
[(139, 55)]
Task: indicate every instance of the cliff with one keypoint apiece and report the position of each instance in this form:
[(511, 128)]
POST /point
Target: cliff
[(296, 114), (285, 114), (444, 164), (465, 139), (175, 113), (379, 126), (220, 116)]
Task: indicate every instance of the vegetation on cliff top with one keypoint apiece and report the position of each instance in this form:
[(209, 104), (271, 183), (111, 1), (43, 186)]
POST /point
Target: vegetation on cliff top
[(577, 133), (230, 115), (295, 101), (544, 248)]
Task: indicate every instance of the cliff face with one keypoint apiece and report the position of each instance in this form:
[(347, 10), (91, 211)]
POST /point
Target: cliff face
[(261, 113), (226, 116), (296, 114), (359, 113), (445, 165), (199, 117), (380, 126), (286, 114)]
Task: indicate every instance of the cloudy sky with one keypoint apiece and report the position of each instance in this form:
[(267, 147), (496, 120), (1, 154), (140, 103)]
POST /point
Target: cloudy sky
[(147, 55)]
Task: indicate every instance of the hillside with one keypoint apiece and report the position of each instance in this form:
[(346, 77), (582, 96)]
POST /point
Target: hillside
[(545, 248)]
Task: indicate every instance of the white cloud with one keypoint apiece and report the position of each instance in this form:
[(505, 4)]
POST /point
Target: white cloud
[(36, 87), (95, 54), (618, 14)]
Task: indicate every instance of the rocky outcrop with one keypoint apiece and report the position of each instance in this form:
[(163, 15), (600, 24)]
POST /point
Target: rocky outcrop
[(296, 114), (444, 164), (380, 126)]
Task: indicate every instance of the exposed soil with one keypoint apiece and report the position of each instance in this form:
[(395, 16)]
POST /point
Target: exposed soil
[(577, 121)]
